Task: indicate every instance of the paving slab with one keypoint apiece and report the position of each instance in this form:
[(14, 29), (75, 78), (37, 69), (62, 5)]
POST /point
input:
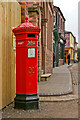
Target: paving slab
[(59, 83)]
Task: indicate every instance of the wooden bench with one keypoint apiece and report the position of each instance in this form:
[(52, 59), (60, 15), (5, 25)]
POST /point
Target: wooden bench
[(45, 77)]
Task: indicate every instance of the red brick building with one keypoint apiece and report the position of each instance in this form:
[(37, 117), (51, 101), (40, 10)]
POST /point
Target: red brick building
[(59, 22), (70, 45), (41, 14)]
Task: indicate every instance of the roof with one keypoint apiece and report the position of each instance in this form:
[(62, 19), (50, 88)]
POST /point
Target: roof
[(70, 32), (26, 27), (60, 12)]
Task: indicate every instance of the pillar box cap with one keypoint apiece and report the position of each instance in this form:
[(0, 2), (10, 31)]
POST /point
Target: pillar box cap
[(26, 27)]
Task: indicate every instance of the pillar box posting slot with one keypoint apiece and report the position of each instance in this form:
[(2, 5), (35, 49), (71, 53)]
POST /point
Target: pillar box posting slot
[(26, 66)]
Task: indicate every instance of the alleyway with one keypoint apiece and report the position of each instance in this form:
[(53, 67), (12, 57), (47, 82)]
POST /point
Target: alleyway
[(58, 108)]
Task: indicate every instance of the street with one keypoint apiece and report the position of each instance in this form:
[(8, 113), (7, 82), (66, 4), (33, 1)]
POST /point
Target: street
[(58, 108)]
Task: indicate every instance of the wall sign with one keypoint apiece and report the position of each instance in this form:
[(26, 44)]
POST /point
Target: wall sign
[(31, 52)]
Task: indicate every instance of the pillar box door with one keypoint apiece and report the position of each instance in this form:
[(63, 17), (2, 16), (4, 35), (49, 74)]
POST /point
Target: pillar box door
[(26, 65)]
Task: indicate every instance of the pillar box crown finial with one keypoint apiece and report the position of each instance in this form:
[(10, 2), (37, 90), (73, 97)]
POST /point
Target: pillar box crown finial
[(26, 18)]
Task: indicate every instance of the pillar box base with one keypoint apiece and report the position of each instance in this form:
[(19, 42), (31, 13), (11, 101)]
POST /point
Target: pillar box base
[(26, 101)]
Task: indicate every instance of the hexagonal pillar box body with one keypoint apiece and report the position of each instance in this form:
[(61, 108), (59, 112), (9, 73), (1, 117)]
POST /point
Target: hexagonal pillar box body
[(26, 66)]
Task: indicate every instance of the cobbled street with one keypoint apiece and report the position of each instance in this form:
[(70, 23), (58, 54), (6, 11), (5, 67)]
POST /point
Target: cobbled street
[(56, 109)]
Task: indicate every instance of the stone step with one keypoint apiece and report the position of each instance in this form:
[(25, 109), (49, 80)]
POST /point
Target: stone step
[(58, 98), (44, 77)]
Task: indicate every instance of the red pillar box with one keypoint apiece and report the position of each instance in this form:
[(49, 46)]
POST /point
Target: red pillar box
[(26, 65)]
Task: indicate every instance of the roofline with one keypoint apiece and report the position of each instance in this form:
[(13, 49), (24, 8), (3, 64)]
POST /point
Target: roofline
[(60, 12), (71, 33)]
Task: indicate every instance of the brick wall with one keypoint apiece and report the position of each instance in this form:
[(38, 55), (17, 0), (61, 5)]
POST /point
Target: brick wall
[(47, 38), (49, 62), (60, 20), (49, 35), (60, 62), (35, 18), (24, 10), (38, 14)]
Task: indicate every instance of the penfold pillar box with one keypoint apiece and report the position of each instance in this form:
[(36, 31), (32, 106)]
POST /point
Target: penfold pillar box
[(26, 66)]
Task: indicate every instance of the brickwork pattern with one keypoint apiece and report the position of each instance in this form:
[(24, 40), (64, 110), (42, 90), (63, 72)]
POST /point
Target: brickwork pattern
[(60, 21), (60, 62), (49, 31), (45, 42), (47, 39), (49, 62), (24, 10)]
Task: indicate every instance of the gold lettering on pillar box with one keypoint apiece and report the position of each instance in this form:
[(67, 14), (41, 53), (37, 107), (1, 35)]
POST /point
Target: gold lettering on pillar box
[(20, 43)]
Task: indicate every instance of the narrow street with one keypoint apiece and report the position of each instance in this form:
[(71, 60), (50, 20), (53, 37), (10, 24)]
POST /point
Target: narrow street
[(62, 106), (39, 59)]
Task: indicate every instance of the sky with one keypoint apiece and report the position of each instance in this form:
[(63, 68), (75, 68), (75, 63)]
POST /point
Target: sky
[(69, 9)]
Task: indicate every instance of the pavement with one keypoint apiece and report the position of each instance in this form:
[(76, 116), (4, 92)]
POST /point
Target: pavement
[(74, 95), (47, 110), (59, 83), (52, 106)]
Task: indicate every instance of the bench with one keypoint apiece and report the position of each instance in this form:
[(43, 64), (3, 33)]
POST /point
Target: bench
[(45, 77)]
